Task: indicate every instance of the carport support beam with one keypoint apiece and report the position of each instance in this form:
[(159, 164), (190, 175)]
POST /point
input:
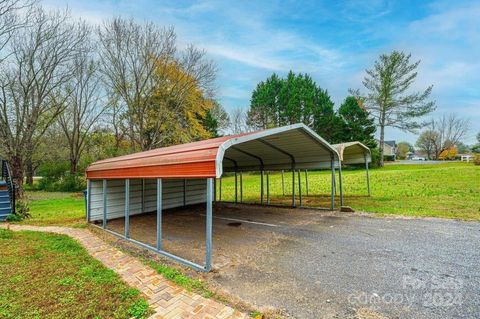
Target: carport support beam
[(143, 195), (159, 213), (306, 182), (127, 208), (268, 189), (208, 235), (293, 187), (340, 181), (89, 198), (368, 176), (236, 188), (300, 188), (241, 187), (261, 187), (283, 182), (104, 223), (332, 201), (220, 190), (215, 190)]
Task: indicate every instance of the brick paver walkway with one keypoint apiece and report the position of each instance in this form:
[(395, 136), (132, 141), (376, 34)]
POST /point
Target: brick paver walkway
[(167, 299)]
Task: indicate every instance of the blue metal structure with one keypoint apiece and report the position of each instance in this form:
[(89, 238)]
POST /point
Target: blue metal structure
[(7, 191)]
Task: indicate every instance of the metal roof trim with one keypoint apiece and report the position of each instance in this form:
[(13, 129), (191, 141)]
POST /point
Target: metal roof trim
[(261, 134)]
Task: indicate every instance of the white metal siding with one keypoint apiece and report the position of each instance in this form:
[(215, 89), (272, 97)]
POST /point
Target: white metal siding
[(172, 195)]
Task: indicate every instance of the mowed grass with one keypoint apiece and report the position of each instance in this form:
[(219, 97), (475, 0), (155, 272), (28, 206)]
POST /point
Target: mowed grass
[(51, 276), (56, 208), (448, 190)]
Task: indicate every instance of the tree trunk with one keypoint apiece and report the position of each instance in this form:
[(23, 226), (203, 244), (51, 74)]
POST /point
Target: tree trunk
[(73, 166), (382, 144), (29, 172), (17, 171)]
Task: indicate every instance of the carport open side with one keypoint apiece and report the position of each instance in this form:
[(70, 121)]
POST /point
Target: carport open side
[(181, 175)]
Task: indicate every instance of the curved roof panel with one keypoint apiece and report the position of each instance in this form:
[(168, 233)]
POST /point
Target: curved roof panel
[(353, 152), (279, 148)]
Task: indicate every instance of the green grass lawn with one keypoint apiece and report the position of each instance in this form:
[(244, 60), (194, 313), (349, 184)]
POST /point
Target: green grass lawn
[(449, 190), (56, 208), (51, 276)]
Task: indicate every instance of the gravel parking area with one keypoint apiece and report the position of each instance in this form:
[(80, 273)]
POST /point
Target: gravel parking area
[(318, 264)]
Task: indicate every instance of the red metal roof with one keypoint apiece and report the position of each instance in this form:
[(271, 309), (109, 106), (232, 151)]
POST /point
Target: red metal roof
[(277, 148), (191, 160)]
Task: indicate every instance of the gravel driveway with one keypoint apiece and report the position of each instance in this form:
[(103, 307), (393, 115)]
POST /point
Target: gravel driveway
[(319, 264), (326, 265)]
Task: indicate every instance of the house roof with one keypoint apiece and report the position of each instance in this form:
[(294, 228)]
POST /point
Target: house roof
[(277, 148), (391, 143), (353, 152)]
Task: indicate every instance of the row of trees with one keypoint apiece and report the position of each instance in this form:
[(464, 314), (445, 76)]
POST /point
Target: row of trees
[(442, 134), (298, 99), (72, 90), (386, 101)]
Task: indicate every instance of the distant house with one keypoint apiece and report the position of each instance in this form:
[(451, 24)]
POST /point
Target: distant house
[(389, 150), (464, 157)]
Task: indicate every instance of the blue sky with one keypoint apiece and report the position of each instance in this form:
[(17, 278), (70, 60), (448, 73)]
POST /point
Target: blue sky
[(333, 41)]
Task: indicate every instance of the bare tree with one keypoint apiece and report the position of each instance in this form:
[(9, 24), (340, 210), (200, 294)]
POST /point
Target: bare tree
[(129, 55), (238, 119), (10, 20), (442, 134), (142, 61), (426, 143), (83, 107), (40, 64), (448, 131)]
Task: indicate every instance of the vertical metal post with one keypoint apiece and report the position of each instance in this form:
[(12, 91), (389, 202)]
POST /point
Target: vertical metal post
[(306, 182), (241, 187), (236, 188), (268, 189), (143, 195), (293, 187), (340, 181), (368, 176), (215, 190), (283, 182), (261, 187), (220, 189), (332, 202), (300, 188), (127, 208), (208, 235), (159, 213), (335, 184), (104, 224), (89, 198)]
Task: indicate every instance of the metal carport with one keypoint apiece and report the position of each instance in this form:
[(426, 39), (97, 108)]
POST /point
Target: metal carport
[(355, 153), (184, 174)]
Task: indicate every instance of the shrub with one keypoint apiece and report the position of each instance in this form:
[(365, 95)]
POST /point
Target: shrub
[(476, 159), (375, 157), (22, 211), (62, 183), (389, 158)]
